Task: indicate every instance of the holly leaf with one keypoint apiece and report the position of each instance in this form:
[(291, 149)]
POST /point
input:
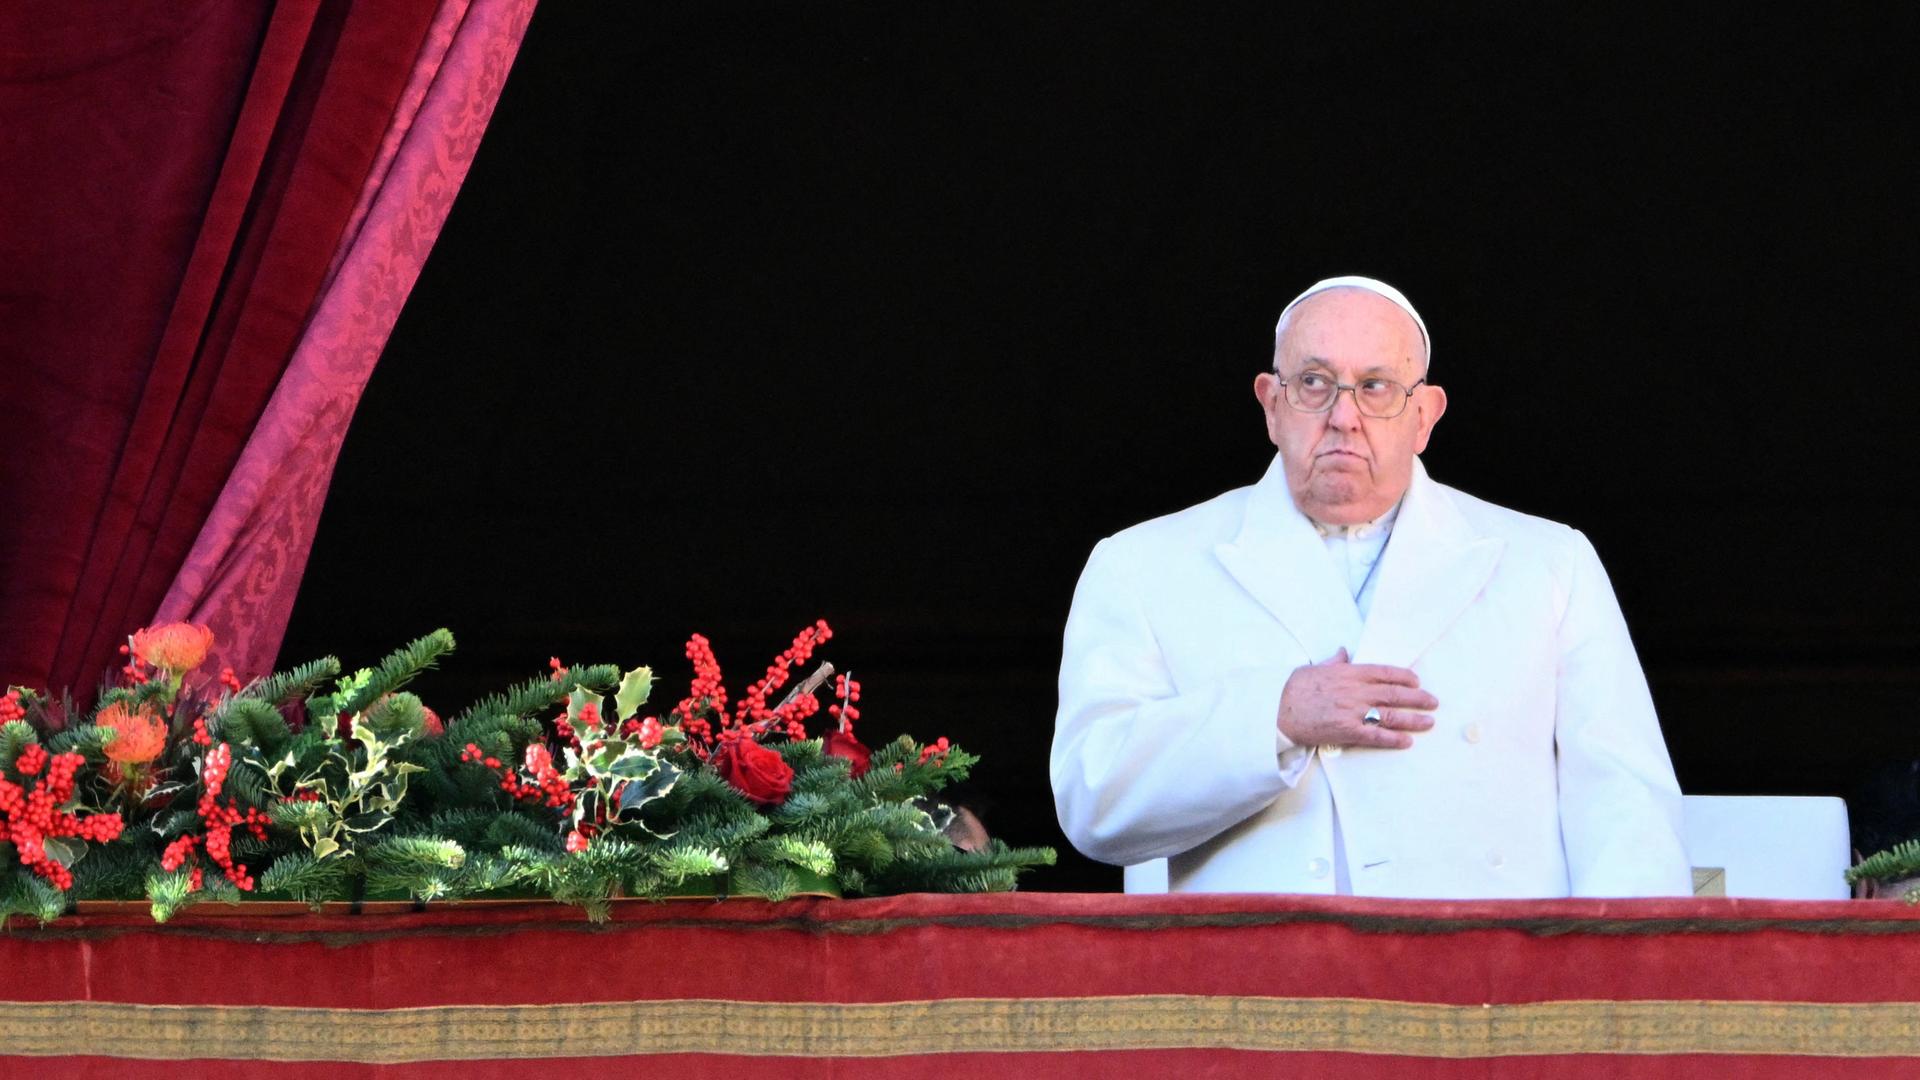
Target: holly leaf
[(63, 850), (579, 699), (633, 765), (633, 692), (361, 823), (160, 792), (638, 793)]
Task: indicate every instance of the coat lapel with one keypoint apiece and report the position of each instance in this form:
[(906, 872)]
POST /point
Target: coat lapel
[(1280, 560), (1435, 565)]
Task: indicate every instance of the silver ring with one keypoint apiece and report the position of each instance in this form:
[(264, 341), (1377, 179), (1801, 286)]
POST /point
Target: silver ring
[(1372, 717)]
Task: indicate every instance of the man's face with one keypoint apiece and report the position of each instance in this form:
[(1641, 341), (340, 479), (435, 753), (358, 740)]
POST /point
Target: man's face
[(1343, 467)]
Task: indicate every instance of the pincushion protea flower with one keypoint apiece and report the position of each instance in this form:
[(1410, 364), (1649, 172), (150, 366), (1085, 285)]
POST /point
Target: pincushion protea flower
[(138, 735), (175, 648)]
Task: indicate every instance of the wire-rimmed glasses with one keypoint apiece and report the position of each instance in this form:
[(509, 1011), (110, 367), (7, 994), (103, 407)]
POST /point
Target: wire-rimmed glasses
[(1316, 391)]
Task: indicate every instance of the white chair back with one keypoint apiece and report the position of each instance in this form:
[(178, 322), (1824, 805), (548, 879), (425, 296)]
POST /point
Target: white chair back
[(1775, 847)]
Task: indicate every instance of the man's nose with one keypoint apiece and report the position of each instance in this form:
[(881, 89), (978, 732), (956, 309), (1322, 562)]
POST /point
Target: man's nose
[(1345, 413)]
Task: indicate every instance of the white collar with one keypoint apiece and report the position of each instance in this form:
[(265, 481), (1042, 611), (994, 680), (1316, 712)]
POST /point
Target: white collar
[(1364, 530)]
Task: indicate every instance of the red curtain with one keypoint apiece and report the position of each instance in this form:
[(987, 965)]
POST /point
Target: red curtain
[(183, 182)]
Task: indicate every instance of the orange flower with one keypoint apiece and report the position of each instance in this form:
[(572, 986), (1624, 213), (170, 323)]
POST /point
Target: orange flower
[(176, 647), (138, 735)]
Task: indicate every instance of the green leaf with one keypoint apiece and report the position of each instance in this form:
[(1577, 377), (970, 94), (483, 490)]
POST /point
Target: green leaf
[(64, 851), (361, 823), (325, 846), (633, 765), (579, 700), (639, 793), (634, 690)]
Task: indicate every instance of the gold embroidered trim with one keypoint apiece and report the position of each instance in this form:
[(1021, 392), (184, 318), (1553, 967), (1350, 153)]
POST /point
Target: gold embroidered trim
[(1018, 1025)]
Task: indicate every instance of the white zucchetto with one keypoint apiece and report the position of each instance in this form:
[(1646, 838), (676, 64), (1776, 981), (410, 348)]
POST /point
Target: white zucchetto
[(1372, 285)]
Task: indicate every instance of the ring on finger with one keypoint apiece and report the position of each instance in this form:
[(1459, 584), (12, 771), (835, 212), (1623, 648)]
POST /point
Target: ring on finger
[(1372, 717)]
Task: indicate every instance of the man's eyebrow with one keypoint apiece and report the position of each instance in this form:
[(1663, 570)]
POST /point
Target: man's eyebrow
[(1322, 362)]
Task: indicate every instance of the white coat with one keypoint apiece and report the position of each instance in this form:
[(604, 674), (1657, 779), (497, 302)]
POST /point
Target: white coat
[(1544, 774)]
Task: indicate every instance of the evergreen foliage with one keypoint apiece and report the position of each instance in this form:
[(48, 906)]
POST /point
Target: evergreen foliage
[(295, 683), (15, 737), (536, 695), (302, 877), (252, 722), (23, 894), (113, 871), (1897, 863), (84, 739), (368, 799), (168, 893), (399, 716), (368, 685)]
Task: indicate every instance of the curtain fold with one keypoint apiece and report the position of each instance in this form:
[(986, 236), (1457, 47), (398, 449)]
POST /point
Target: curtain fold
[(185, 186), (245, 567)]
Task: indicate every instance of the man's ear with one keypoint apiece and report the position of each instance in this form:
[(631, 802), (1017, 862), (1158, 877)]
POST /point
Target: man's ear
[(1430, 403), (1265, 386)]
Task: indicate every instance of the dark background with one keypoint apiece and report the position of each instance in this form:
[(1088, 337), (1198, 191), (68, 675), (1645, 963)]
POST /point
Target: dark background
[(752, 314)]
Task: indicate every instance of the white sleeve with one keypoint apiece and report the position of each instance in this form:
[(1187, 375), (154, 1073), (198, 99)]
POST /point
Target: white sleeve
[(1619, 802), (1142, 768)]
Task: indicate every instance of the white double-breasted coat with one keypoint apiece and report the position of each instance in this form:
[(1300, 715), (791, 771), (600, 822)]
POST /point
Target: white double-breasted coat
[(1544, 775)]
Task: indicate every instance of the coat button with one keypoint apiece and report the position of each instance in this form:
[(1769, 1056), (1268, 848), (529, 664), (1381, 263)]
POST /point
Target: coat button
[(1318, 868), (1471, 733)]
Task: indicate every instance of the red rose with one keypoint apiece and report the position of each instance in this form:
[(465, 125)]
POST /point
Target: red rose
[(754, 771), (842, 744)]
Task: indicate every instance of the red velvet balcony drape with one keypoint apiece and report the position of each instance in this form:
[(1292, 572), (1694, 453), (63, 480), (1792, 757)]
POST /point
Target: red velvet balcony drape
[(1001, 985), (183, 186)]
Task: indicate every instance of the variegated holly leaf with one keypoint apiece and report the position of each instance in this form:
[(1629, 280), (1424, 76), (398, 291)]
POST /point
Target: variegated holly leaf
[(640, 792), (64, 851), (579, 699), (633, 765), (635, 687), (368, 822)]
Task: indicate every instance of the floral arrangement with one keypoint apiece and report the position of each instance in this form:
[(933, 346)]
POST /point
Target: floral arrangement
[(312, 786)]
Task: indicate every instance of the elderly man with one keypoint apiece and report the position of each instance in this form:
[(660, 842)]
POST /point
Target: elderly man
[(1350, 678)]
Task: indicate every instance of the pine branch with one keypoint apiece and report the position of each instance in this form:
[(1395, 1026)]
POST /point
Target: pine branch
[(953, 870), (115, 871), (246, 784), (401, 714), (466, 826), (774, 882), (22, 893), (415, 855), (311, 881), (1894, 864), (517, 830), (299, 682), (251, 722), (680, 862), (15, 737), (168, 892), (809, 855), (536, 695), (393, 673), (83, 739)]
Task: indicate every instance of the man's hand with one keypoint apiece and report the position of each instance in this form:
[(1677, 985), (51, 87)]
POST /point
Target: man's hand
[(1326, 705)]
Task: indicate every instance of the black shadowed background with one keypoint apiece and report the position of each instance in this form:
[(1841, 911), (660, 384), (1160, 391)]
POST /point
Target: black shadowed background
[(751, 314)]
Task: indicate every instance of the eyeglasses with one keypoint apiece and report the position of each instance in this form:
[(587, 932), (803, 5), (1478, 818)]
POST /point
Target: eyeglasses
[(1316, 391)]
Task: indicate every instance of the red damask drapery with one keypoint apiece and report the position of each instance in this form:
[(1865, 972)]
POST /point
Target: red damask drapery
[(210, 216)]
